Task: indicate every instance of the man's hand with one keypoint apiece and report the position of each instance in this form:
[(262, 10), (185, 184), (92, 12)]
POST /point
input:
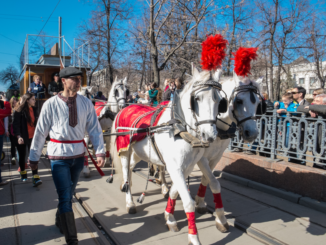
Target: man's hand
[(277, 104), (7, 134), (54, 93), (100, 161), (281, 111), (20, 141), (313, 114), (307, 107), (29, 90)]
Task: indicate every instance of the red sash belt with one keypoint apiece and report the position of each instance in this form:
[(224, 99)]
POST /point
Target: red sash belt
[(80, 141)]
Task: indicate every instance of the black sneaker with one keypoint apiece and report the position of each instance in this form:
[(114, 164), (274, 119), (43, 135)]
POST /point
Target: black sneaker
[(36, 180), (23, 176)]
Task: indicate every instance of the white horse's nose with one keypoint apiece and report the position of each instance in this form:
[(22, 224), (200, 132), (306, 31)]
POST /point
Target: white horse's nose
[(208, 133)]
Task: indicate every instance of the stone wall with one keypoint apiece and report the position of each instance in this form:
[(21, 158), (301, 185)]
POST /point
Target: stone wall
[(303, 180)]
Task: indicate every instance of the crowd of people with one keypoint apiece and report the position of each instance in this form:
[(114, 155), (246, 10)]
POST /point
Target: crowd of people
[(153, 95)]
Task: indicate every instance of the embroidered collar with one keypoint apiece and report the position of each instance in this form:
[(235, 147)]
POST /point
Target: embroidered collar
[(67, 99)]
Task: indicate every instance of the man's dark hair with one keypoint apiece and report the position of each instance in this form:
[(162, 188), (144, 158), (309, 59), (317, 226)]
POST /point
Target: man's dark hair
[(302, 90), (99, 93)]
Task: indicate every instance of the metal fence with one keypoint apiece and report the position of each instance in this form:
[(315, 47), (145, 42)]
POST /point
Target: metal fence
[(295, 138)]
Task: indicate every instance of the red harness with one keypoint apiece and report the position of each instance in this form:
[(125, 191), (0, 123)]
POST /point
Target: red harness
[(80, 141)]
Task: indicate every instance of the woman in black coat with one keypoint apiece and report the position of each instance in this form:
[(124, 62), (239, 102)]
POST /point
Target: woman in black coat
[(24, 123)]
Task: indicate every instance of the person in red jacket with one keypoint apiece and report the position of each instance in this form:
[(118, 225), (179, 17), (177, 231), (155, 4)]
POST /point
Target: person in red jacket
[(5, 110)]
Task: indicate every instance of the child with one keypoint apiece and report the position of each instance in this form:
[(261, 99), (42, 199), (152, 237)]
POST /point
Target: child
[(287, 106)]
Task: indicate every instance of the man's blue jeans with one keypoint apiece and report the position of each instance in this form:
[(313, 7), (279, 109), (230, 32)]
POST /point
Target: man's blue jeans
[(1, 147), (65, 176)]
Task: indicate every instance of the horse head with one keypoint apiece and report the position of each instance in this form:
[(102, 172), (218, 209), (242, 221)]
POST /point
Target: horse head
[(85, 91), (244, 99), (200, 102), (118, 95)]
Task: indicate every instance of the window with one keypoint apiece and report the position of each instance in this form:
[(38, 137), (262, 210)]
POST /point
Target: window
[(312, 80), (311, 91), (301, 80)]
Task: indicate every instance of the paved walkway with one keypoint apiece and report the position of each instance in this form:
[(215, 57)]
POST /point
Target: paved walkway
[(27, 213), (266, 218)]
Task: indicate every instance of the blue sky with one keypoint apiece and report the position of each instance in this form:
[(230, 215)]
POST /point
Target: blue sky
[(19, 18)]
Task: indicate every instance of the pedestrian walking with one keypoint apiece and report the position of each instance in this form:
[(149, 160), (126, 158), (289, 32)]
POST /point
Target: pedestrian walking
[(5, 110), (24, 123), (66, 117), (13, 140)]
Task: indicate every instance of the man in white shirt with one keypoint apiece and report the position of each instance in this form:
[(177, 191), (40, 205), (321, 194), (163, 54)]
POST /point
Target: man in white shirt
[(65, 118)]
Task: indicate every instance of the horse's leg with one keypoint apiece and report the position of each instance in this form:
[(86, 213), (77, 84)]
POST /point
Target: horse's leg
[(86, 171), (164, 185), (169, 210), (179, 182), (108, 160), (220, 220), (200, 197), (130, 205)]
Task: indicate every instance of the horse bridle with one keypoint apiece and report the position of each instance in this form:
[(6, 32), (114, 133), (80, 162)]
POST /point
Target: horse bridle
[(88, 94), (125, 95), (199, 85), (241, 89)]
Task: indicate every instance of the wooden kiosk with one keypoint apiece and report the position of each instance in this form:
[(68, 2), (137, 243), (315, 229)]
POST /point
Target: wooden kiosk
[(45, 67)]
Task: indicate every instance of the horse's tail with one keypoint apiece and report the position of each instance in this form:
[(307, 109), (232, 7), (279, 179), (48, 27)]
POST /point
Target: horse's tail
[(114, 152)]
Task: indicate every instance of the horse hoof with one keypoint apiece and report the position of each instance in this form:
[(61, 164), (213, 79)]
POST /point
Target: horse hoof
[(193, 240), (222, 227), (201, 210), (173, 227), (131, 210)]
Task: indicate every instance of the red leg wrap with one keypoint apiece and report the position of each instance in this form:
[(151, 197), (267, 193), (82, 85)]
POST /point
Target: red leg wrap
[(201, 191), (170, 205), (85, 160), (107, 154), (192, 229), (218, 200)]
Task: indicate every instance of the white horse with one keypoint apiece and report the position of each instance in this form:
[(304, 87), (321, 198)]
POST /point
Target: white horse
[(242, 111), (199, 104), (116, 100)]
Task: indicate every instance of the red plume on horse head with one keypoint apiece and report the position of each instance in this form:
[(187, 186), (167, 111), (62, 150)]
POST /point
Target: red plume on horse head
[(242, 59), (213, 52)]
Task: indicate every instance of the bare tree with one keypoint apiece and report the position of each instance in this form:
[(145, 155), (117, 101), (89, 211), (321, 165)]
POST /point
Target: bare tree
[(316, 47), (105, 30), (288, 33), (269, 18), (238, 16), (162, 14), (9, 75)]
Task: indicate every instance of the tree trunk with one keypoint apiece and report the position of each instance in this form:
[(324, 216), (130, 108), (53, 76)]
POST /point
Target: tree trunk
[(109, 66), (154, 53), (232, 43), (271, 92)]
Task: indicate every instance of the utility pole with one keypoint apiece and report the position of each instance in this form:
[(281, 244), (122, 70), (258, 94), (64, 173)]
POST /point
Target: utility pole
[(60, 34)]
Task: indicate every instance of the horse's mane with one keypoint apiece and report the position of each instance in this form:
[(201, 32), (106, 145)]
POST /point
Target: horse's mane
[(202, 76)]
